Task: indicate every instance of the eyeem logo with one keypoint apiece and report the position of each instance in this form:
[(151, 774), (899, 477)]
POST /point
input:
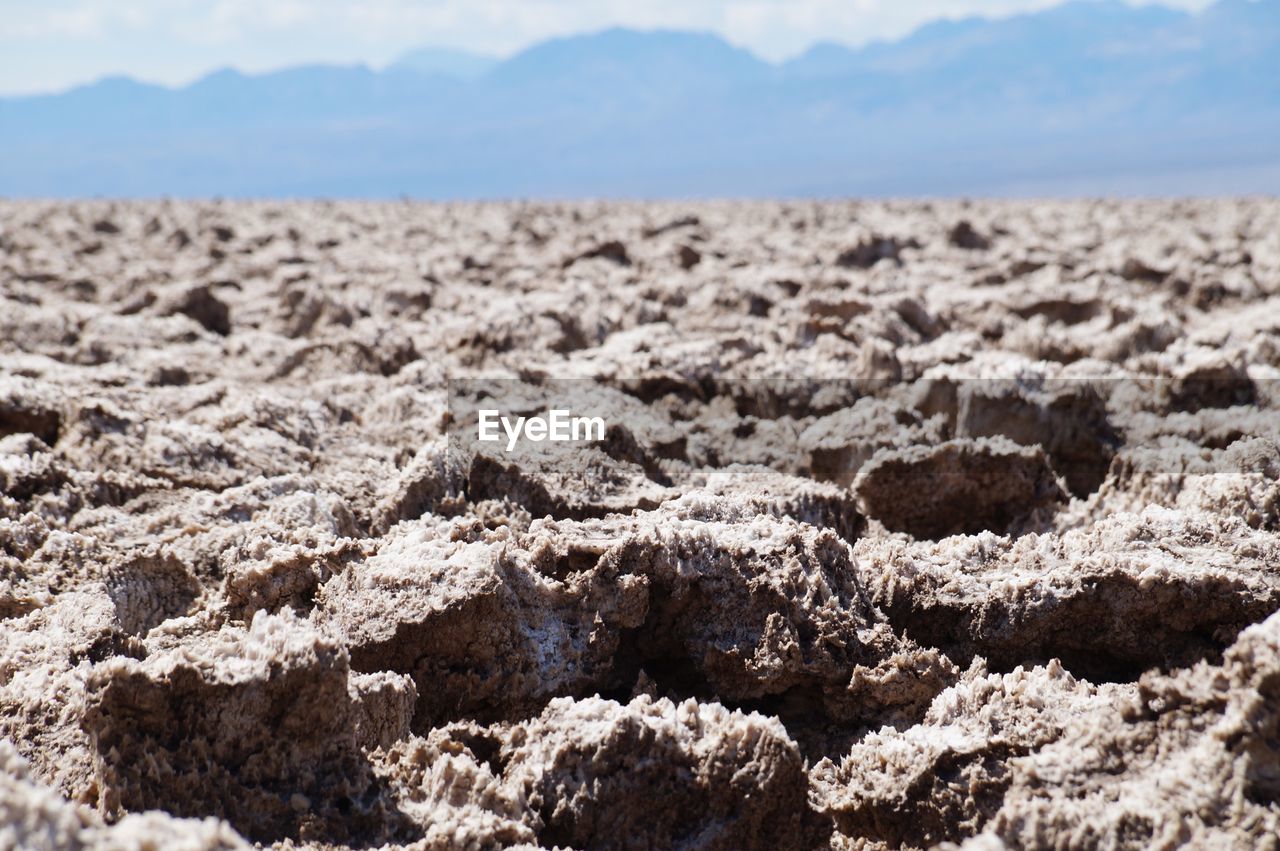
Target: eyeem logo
[(557, 426)]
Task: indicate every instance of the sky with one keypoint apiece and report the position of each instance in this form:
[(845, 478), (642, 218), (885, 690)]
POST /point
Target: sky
[(51, 45)]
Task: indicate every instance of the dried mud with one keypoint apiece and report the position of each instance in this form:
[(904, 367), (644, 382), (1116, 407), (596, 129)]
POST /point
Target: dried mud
[(865, 560)]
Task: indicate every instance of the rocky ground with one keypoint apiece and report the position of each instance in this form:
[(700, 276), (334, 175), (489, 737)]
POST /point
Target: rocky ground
[(915, 524)]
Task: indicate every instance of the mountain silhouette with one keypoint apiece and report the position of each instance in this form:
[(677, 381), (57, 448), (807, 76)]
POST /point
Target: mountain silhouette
[(1093, 97)]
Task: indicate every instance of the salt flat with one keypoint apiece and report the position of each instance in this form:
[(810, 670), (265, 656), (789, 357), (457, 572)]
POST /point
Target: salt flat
[(912, 523)]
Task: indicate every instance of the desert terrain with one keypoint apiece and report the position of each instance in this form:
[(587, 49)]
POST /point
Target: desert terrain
[(914, 524)]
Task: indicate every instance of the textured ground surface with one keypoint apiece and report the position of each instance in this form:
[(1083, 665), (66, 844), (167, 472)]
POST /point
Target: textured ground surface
[(253, 592)]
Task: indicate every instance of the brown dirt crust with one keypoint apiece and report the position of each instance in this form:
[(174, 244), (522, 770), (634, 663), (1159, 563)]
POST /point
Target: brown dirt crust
[(914, 524)]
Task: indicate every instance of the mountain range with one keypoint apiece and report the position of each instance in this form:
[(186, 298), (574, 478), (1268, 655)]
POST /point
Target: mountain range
[(1093, 96)]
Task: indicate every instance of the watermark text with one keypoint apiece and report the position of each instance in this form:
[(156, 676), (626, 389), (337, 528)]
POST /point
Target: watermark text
[(559, 425)]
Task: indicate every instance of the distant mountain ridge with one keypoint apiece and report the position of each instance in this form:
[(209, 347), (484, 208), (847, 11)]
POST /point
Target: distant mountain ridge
[(1087, 96)]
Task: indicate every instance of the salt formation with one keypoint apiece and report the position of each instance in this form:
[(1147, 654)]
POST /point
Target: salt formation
[(910, 525)]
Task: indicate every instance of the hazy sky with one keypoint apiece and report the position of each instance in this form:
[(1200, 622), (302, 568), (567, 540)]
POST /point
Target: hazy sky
[(49, 45)]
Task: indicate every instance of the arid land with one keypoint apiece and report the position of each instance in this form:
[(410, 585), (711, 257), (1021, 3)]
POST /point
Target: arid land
[(912, 524)]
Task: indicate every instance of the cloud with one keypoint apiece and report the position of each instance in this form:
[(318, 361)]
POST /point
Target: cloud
[(74, 22)]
